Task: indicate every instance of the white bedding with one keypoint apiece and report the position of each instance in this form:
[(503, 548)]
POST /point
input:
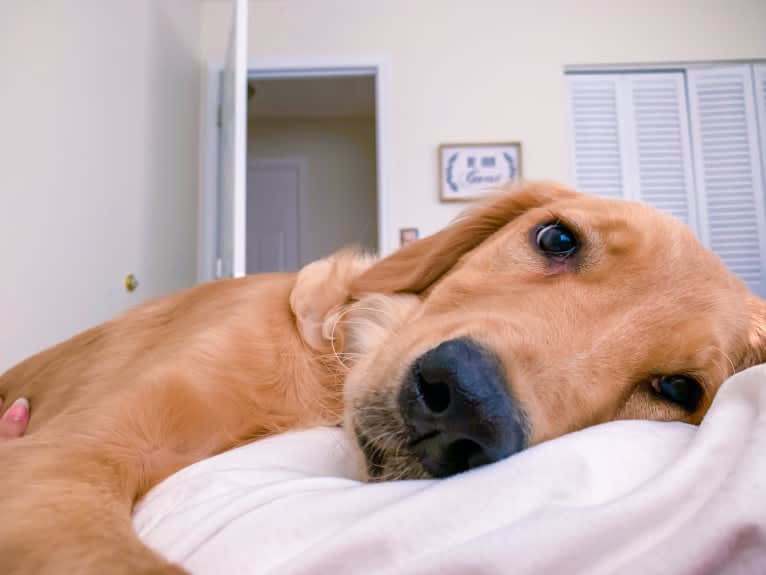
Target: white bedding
[(624, 497)]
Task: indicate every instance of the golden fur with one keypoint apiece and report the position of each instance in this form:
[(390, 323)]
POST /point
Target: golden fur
[(120, 407)]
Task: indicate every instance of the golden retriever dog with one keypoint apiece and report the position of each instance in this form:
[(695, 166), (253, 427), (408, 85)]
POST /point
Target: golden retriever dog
[(538, 313)]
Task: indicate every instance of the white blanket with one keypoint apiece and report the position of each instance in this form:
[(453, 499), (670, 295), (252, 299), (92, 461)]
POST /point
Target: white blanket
[(624, 497)]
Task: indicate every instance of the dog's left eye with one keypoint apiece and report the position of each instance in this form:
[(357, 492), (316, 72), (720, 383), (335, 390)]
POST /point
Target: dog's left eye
[(679, 389), (556, 240)]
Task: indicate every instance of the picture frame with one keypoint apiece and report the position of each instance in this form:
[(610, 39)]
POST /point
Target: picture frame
[(408, 235), (466, 171)]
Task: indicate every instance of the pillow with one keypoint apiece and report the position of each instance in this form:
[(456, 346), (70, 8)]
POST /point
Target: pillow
[(627, 496)]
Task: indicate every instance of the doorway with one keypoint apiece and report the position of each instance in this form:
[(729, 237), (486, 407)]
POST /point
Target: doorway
[(216, 207), (312, 173)]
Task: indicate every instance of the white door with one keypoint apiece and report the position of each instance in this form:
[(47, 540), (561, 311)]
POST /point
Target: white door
[(273, 216), (233, 160), (630, 138), (724, 128)]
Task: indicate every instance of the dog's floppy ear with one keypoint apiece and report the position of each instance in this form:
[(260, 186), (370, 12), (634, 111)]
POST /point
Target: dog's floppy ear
[(329, 320), (417, 266), (320, 289), (755, 346)]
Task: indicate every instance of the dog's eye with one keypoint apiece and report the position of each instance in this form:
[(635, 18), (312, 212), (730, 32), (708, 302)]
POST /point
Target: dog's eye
[(679, 389), (556, 240)]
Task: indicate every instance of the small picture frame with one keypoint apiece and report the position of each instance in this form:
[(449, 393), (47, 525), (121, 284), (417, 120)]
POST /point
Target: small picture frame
[(466, 171), (407, 236)]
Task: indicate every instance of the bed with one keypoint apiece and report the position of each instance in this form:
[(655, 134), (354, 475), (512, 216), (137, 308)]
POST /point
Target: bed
[(623, 497)]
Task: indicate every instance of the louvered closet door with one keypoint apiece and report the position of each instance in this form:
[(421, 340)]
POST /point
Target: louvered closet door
[(660, 156), (728, 169), (595, 134), (630, 139)]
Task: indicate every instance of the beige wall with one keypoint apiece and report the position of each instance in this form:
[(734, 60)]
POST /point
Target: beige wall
[(481, 70), (98, 156), (338, 204)]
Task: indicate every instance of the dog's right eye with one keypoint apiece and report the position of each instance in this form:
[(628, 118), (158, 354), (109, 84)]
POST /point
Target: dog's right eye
[(679, 389), (556, 240)]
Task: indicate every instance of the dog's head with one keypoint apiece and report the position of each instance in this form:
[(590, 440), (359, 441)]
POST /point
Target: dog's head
[(538, 313)]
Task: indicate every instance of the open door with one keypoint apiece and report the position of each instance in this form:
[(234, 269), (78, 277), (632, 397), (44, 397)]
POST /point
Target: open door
[(233, 160)]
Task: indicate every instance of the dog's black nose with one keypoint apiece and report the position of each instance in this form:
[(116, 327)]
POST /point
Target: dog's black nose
[(458, 409)]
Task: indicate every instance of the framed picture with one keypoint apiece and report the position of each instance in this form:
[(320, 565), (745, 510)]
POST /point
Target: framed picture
[(467, 170), (408, 235)]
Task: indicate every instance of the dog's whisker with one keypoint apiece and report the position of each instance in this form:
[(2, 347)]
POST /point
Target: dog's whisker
[(728, 359), (385, 312)]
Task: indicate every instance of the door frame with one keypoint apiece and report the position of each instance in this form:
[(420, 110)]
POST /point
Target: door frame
[(288, 67)]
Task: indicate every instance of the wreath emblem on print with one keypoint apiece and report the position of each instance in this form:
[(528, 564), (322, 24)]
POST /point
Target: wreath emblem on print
[(451, 171), (512, 169)]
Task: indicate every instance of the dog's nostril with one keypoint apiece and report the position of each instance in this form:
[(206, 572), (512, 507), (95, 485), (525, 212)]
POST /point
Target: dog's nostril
[(462, 455), (435, 394)]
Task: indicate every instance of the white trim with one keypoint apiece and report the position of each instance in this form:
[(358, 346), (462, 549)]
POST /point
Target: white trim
[(569, 135), (342, 66), (383, 123), (758, 176), (626, 136), (240, 137), (697, 195), (649, 67), (207, 203), (692, 192)]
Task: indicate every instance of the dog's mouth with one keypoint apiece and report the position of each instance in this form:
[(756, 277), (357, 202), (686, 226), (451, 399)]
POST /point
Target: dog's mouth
[(378, 460), (384, 440), (374, 456)]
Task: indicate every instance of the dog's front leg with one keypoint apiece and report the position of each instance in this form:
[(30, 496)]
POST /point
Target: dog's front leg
[(67, 490), (65, 510)]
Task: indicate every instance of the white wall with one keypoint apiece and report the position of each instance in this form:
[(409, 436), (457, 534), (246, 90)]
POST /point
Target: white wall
[(98, 159), (338, 204), (482, 70)]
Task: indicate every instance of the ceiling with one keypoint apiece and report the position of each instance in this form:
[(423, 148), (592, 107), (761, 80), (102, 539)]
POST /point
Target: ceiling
[(349, 97)]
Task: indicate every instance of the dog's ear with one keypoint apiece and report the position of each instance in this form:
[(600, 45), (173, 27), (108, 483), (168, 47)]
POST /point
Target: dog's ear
[(755, 345), (321, 288), (415, 267), (329, 321)]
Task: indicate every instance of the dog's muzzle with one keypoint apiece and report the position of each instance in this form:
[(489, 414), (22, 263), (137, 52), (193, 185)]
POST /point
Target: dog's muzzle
[(458, 409)]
